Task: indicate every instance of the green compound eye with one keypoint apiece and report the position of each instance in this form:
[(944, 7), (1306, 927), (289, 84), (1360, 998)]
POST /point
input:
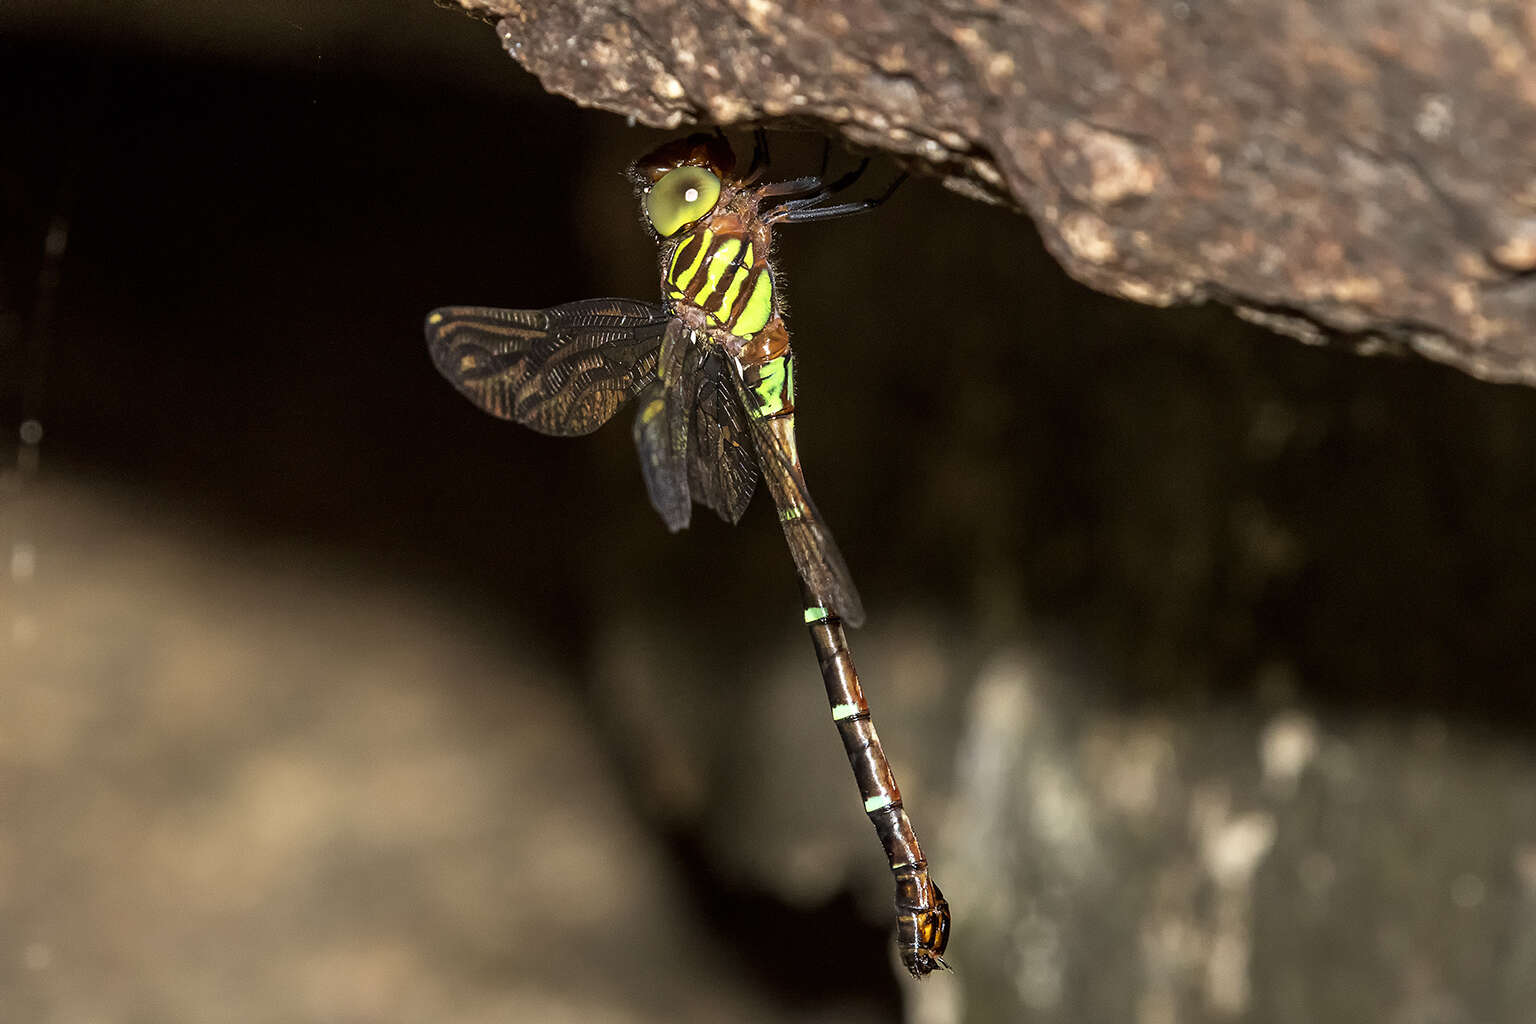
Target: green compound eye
[(680, 198)]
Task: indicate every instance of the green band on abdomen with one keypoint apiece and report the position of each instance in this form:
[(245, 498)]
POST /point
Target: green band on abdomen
[(775, 387)]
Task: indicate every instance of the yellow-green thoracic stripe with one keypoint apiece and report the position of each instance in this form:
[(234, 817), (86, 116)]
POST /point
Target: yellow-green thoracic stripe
[(754, 315), (727, 270), (678, 275)]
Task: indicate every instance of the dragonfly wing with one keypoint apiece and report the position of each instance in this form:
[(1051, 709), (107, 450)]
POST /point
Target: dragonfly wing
[(661, 431), (564, 370), (816, 556), (722, 469)]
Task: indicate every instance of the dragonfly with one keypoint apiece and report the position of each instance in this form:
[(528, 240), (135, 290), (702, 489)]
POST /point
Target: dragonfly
[(711, 373)]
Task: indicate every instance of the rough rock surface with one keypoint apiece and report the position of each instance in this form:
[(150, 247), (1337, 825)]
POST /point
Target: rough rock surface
[(1357, 171)]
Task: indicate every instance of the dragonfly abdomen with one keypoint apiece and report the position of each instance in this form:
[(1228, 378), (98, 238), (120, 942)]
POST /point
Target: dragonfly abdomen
[(724, 274), (922, 913)]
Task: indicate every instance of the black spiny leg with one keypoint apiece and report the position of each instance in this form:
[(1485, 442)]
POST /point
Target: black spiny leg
[(822, 193), (794, 187), (759, 156), (805, 211), (802, 198), (810, 189)]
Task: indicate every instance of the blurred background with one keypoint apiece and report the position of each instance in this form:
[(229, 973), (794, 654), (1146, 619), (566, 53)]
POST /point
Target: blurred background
[(1204, 659)]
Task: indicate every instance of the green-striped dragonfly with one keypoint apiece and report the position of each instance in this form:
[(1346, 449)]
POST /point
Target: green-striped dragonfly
[(713, 376)]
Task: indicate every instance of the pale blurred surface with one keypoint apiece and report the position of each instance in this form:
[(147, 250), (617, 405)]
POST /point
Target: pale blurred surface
[(253, 780), (259, 783)]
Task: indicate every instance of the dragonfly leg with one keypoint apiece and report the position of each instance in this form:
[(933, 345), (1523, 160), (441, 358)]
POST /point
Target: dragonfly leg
[(759, 156), (806, 211), (816, 185), (847, 179), (808, 185)]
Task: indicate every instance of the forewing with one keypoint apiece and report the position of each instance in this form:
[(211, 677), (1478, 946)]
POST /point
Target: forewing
[(811, 545), (564, 370), (722, 468), (661, 431)]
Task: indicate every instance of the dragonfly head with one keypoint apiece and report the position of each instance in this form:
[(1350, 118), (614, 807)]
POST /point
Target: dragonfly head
[(680, 182), (710, 152)]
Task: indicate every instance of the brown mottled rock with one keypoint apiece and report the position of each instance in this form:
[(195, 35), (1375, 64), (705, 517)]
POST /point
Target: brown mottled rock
[(1361, 171)]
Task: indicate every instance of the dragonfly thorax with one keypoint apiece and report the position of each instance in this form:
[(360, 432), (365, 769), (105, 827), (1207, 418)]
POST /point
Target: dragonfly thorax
[(721, 271)]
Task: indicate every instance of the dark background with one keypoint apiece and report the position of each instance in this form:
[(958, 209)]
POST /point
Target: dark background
[(1193, 518)]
